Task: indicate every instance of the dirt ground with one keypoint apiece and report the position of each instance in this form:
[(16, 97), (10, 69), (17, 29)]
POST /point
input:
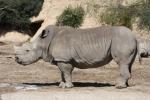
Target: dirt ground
[(42, 76)]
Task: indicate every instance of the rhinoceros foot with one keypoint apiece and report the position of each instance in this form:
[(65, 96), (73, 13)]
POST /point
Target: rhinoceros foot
[(65, 85), (121, 86)]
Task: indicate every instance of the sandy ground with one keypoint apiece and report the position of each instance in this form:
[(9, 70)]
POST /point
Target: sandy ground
[(43, 77), (39, 81)]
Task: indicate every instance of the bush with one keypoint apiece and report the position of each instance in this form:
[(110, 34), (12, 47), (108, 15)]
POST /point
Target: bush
[(16, 13), (142, 10), (124, 15), (119, 15), (71, 17)]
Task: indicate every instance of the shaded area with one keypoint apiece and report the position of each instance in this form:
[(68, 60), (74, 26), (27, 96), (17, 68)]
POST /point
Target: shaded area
[(144, 55), (16, 14), (89, 84), (35, 26), (2, 43), (76, 84)]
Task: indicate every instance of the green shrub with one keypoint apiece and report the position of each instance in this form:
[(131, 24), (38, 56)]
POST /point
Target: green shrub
[(119, 15), (123, 15), (16, 13), (71, 17), (142, 10)]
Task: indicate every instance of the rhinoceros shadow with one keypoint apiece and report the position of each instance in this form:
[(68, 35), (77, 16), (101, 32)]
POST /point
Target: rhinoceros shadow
[(76, 84)]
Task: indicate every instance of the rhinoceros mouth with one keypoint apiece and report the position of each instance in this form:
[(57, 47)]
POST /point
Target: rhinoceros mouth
[(20, 62)]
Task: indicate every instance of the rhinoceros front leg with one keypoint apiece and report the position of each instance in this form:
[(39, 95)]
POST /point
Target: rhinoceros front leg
[(66, 74)]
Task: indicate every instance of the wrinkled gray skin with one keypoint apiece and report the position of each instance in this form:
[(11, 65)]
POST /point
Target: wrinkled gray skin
[(144, 47), (82, 48)]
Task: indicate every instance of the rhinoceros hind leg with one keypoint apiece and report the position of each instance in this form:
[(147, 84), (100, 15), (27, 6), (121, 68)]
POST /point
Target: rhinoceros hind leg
[(123, 77), (66, 74), (125, 64)]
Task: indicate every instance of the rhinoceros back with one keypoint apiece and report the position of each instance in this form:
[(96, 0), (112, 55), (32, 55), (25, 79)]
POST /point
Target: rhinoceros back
[(83, 45)]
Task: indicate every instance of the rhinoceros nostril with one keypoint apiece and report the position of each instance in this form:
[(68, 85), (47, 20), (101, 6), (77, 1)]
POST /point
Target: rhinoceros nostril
[(16, 58)]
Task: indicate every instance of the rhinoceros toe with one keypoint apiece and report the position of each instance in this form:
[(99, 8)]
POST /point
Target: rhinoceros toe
[(65, 85), (121, 86)]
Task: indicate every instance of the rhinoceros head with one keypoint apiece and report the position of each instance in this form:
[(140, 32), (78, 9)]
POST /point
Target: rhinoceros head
[(32, 51)]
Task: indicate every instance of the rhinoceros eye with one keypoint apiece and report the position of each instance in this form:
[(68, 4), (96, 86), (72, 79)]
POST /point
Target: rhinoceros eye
[(27, 50), (44, 34)]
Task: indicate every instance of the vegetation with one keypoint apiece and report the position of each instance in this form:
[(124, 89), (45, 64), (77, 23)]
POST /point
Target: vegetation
[(142, 11), (16, 13), (71, 17), (124, 15), (119, 15)]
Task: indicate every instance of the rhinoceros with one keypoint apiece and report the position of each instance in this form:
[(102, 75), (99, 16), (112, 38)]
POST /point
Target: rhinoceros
[(144, 47), (68, 48)]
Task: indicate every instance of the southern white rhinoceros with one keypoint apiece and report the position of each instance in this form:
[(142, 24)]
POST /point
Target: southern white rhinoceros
[(144, 47), (82, 48)]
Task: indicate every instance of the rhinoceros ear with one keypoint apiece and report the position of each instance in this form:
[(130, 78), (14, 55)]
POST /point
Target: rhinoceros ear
[(44, 34)]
